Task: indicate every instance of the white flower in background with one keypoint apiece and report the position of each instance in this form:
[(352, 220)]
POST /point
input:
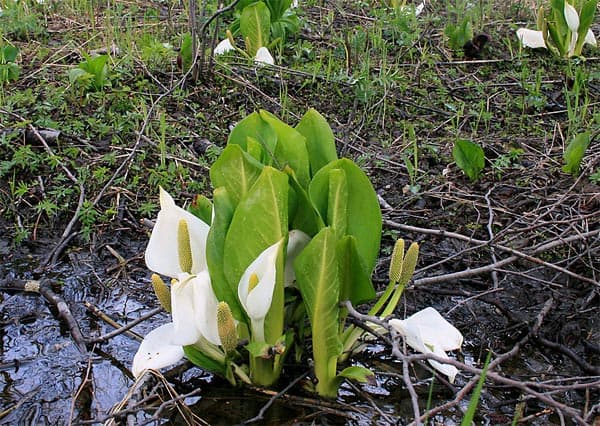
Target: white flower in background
[(256, 287), (419, 8), (535, 39), (263, 56), (194, 311), (531, 38), (162, 253), (297, 240), (428, 332), (224, 46), (294, 4)]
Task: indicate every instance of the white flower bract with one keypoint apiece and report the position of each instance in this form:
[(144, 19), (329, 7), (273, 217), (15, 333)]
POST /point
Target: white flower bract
[(428, 332)]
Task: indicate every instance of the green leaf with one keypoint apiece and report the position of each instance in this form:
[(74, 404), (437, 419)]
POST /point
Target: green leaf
[(586, 19), (302, 213), (317, 278), (363, 212), (259, 221), (277, 8), (255, 24), (355, 281), (286, 25), (78, 75), (358, 374), (291, 148), (254, 126), (236, 171), (469, 158), (186, 53), (202, 207), (8, 54), (259, 349), (575, 152), (96, 66), (215, 253), (200, 359), (470, 414), (337, 202), (320, 142)]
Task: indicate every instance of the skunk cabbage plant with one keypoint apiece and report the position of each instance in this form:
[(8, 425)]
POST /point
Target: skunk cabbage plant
[(563, 29), (291, 233)]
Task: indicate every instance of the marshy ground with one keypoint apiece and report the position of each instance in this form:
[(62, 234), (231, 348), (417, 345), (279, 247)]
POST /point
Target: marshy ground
[(512, 259)]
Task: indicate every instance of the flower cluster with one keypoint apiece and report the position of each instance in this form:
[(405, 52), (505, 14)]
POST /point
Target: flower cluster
[(177, 249)]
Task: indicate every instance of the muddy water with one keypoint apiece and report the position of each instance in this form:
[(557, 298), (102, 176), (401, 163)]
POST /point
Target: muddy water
[(44, 379)]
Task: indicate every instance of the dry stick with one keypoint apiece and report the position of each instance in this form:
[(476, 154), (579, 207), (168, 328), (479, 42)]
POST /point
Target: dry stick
[(263, 410), (491, 235), (43, 288), (485, 269), (84, 383), (119, 329), (394, 338)]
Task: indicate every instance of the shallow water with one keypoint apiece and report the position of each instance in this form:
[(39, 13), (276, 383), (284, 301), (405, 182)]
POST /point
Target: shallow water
[(44, 379)]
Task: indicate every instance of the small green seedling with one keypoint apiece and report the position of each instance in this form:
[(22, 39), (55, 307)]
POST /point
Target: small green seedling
[(91, 74), (575, 152), (469, 158), (459, 34)]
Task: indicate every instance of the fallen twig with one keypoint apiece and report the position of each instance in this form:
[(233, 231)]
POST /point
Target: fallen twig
[(64, 312)]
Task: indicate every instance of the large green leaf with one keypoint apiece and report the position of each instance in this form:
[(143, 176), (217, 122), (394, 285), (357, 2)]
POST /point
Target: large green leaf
[(290, 149), (337, 202), (317, 277), (320, 142), (257, 128), (355, 281), (259, 221), (363, 212), (255, 26), (215, 252), (236, 171)]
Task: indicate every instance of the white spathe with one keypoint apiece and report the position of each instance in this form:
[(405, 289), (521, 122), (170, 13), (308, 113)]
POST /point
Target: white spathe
[(257, 301), (162, 253), (224, 46), (194, 309), (157, 350), (531, 38), (205, 308), (572, 17), (194, 312), (297, 240), (264, 56), (428, 332), (590, 38)]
